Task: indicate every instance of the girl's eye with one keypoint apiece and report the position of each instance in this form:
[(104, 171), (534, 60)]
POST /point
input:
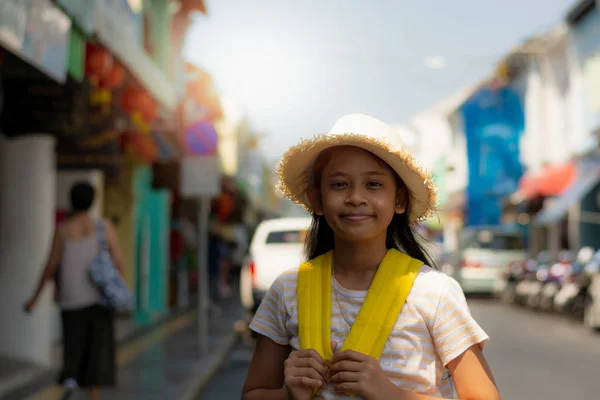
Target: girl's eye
[(374, 184), (338, 185)]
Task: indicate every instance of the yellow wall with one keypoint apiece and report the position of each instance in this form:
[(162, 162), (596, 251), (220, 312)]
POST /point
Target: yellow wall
[(119, 201)]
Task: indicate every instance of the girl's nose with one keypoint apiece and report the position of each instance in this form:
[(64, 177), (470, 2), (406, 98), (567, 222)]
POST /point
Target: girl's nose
[(355, 196)]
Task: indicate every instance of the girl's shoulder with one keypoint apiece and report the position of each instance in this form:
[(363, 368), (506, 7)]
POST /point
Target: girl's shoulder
[(433, 280), (433, 289), (287, 280)]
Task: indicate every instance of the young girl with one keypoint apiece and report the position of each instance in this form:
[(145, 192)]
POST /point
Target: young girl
[(364, 191)]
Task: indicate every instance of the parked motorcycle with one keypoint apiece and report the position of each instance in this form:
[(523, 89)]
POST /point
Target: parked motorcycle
[(554, 279), (529, 288), (512, 275), (591, 312), (571, 298)]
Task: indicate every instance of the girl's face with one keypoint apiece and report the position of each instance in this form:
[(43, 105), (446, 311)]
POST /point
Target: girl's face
[(357, 194)]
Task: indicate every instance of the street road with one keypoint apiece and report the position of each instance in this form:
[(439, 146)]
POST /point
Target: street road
[(533, 356)]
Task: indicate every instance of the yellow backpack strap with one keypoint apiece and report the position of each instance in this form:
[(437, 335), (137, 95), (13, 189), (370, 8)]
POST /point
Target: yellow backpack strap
[(385, 298), (314, 305)]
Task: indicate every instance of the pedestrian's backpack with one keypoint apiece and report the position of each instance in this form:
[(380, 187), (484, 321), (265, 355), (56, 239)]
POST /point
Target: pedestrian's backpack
[(105, 276), (378, 314)]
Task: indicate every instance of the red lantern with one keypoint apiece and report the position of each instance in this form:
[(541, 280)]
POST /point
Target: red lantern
[(98, 62), (142, 146), (132, 100), (139, 101), (149, 109), (115, 77)]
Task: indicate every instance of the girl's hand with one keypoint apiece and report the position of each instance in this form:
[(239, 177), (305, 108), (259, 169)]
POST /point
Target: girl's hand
[(304, 370), (357, 373)]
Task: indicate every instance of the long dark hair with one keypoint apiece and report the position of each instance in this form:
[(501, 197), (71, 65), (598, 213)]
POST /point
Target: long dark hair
[(400, 235)]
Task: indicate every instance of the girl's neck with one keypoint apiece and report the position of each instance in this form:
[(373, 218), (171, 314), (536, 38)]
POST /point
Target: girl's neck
[(355, 265)]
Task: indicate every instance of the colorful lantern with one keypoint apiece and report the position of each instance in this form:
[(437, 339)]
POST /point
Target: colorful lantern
[(114, 79), (149, 109), (139, 101), (132, 100), (98, 62), (141, 146)]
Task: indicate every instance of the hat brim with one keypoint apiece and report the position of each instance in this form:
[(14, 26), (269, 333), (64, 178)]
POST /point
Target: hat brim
[(294, 169)]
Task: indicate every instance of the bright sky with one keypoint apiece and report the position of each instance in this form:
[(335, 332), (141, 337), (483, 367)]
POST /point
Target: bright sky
[(296, 66)]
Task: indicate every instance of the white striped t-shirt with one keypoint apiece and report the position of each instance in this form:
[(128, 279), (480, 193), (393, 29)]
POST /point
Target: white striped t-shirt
[(434, 327)]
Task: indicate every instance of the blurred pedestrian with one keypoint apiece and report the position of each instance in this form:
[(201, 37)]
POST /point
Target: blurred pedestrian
[(89, 349)]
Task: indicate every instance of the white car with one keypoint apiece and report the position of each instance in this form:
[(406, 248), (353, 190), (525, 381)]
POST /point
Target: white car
[(485, 253), (277, 245)]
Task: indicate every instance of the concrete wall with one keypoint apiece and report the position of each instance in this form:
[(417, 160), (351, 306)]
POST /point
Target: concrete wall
[(555, 70), (532, 143), (27, 215), (457, 176), (554, 110), (118, 206)]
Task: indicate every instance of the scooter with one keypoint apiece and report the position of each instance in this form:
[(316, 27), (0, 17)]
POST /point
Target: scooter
[(591, 312), (529, 288), (555, 278), (512, 275), (571, 298)]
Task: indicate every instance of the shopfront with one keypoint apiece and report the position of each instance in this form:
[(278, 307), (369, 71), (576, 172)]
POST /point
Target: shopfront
[(34, 51)]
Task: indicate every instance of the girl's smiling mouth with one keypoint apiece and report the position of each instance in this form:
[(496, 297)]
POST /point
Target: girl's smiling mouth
[(356, 217)]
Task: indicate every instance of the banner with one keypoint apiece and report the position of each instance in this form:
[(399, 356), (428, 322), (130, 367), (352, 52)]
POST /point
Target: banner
[(38, 32), (201, 101), (494, 123)]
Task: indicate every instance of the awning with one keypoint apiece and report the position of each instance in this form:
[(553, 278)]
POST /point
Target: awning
[(82, 13), (38, 33), (551, 181), (558, 208), (116, 32)]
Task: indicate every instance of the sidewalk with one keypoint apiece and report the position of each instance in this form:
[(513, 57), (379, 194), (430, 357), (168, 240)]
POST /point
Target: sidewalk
[(14, 374), (17, 373), (161, 364)]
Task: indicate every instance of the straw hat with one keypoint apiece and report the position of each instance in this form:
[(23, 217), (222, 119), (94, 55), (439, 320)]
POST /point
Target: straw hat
[(294, 168)]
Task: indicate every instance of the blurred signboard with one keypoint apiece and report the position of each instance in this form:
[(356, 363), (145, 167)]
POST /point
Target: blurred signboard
[(494, 123), (57, 109), (86, 132), (200, 176), (38, 32), (97, 145), (201, 138), (83, 13)]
